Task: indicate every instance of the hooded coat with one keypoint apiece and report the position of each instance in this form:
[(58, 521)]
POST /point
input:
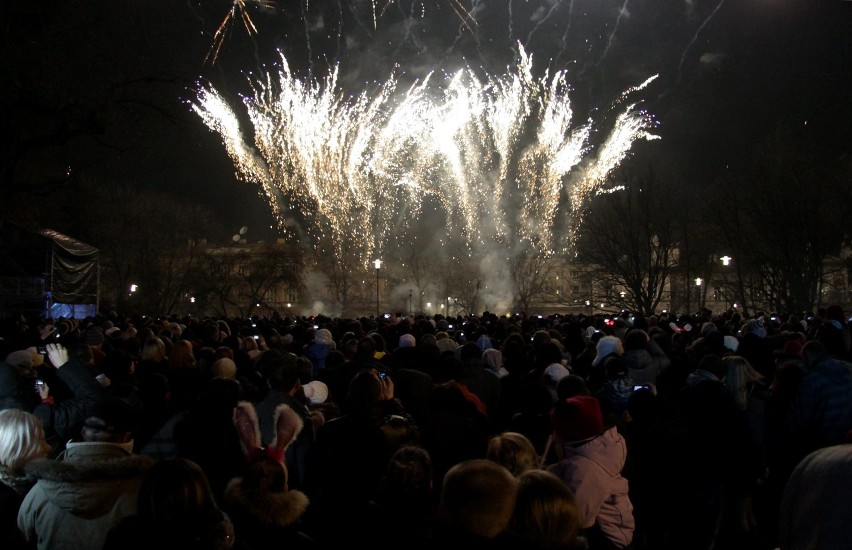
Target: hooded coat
[(593, 473), (79, 498)]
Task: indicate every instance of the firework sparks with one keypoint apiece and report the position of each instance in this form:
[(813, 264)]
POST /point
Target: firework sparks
[(496, 152), (237, 10)]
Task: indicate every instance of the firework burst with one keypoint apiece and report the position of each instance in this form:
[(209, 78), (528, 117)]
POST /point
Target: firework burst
[(501, 154)]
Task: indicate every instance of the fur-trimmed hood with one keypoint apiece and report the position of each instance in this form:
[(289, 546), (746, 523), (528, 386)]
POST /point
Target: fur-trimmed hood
[(273, 509), (90, 462), (88, 483)]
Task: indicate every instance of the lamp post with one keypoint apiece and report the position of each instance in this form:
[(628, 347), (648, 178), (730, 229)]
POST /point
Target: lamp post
[(378, 264), (410, 310), (698, 282), (726, 261)]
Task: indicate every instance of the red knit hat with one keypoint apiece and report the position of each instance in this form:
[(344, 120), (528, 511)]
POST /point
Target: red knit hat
[(577, 418)]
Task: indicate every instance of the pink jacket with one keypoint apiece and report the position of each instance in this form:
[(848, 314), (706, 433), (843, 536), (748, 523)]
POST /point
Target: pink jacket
[(593, 473)]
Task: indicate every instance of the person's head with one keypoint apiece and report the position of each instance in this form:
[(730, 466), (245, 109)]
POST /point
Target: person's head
[(545, 511), (813, 352), (577, 419), (478, 496), (608, 345), (636, 339), (365, 391), (182, 355), (514, 451), (409, 472), (175, 494), (174, 489), (112, 420), (493, 359), (265, 474), (153, 350), (739, 379), (548, 353), (223, 367), (21, 439), (323, 336), (571, 386), (381, 345), (281, 370), (713, 363)]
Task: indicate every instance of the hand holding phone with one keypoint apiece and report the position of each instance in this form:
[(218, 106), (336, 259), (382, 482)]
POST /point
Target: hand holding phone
[(41, 388)]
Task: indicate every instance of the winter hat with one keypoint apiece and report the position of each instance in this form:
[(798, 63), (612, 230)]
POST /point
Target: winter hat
[(554, 373), (606, 346), (21, 359), (323, 336), (731, 343), (446, 344), (407, 341), (111, 415), (757, 327), (577, 418), (316, 392), (94, 336), (636, 339)]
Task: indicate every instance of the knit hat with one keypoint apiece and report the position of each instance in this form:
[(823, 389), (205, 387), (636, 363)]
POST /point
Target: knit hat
[(316, 391), (757, 327), (636, 339), (606, 346), (113, 415), (731, 343), (323, 336), (577, 418), (554, 373)]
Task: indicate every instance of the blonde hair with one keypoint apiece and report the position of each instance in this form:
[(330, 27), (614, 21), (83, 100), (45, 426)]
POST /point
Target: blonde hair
[(545, 511), (514, 451), (21, 439), (477, 496), (154, 349), (740, 378)]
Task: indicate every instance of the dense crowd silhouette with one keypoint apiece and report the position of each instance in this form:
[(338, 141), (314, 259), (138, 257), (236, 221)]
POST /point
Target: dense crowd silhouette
[(656, 432)]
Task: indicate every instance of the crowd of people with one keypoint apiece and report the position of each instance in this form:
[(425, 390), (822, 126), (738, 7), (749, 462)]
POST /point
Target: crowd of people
[(565, 432)]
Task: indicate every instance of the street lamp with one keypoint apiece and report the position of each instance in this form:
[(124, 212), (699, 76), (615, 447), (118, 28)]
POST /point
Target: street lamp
[(698, 282), (378, 264), (410, 310), (726, 260)]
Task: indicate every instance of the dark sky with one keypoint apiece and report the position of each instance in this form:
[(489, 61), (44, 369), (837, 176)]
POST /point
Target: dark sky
[(730, 72)]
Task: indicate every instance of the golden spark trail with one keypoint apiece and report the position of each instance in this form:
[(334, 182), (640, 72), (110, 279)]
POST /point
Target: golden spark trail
[(500, 154)]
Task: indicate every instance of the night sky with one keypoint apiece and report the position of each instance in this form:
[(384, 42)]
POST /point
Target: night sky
[(730, 72)]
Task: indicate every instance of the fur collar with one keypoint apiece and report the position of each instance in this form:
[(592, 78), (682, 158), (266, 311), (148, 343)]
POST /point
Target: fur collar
[(121, 467), (275, 509)]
